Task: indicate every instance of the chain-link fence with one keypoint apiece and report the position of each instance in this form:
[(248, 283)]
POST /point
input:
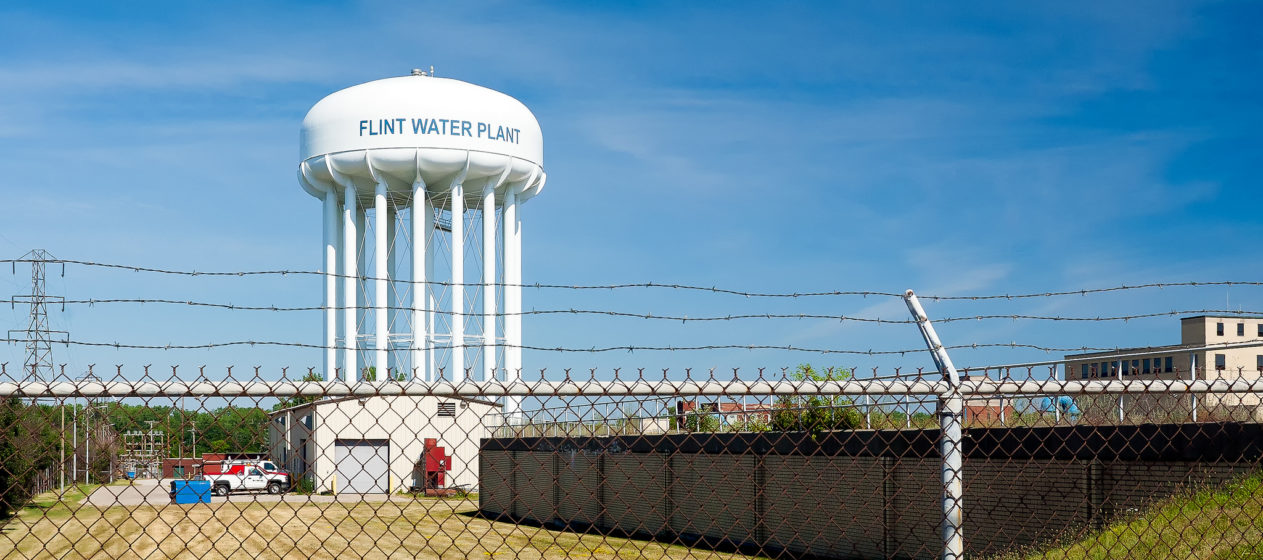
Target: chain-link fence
[(788, 463), (1099, 452)]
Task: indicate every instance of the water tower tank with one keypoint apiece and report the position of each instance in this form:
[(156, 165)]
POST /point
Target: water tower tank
[(443, 152)]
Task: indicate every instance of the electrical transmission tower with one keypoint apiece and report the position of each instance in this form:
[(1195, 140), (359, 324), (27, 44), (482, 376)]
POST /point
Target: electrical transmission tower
[(38, 337)]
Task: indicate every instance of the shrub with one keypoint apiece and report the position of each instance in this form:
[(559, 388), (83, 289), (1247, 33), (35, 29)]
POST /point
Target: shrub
[(816, 413), (305, 486)]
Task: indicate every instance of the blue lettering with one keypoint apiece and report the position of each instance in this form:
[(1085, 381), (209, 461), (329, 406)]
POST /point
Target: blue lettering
[(452, 127)]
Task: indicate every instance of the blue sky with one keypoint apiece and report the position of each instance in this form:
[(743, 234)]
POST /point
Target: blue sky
[(961, 149)]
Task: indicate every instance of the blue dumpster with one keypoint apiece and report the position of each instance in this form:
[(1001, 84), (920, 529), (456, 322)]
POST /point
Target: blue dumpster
[(190, 491)]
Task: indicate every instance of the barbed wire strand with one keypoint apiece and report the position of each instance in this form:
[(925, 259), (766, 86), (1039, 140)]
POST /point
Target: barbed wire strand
[(664, 317), (594, 349), (712, 289)]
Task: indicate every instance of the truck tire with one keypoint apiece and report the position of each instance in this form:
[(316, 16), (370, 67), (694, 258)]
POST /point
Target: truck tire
[(220, 490), (274, 488)]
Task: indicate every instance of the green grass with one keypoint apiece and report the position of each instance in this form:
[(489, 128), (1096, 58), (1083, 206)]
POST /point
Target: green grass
[(1217, 523), (54, 504), (405, 528)]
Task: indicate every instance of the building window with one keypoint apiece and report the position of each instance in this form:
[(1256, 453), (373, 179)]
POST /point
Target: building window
[(1240, 329), (1260, 329), (280, 420), (1219, 329), (1260, 360), (447, 409), (1144, 365), (307, 421), (1135, 367), (1084, 368), (1221, 361), (1170, 365)]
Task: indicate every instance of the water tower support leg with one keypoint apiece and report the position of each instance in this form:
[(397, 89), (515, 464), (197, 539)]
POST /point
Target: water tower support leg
[(512, 299), (350, 264), (489, 282), (393, 302), (361, 287), (381, 289), (422, 222), (458, 281), (331, 282), (432, 299)]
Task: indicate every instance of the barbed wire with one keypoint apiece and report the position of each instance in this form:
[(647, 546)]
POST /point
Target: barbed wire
[(536, 285), (676, 286), (594, 349), (658, 316)]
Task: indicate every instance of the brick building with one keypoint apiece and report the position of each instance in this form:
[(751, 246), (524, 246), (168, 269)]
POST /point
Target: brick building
[(1186, 360)]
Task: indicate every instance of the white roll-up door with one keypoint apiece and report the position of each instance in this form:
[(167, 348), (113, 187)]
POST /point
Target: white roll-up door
[(362, 465)]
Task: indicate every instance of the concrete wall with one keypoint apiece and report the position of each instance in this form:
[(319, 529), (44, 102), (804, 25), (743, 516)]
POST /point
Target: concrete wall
[(858, 495)]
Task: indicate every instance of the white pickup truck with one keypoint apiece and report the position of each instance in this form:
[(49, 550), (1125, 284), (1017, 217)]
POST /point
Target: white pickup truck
[(245, 476)]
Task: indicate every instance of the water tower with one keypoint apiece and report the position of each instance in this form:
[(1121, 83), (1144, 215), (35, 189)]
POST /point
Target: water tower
[(438, 169)]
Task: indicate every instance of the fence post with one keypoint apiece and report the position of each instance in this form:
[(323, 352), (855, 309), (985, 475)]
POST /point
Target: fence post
[(888, 542), (951, 410)]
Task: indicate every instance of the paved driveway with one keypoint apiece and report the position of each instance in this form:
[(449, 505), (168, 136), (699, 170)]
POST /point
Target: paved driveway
[(154, 493)]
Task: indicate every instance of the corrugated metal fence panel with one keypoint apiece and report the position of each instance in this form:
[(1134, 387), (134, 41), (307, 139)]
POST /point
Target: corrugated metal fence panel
[(917, 504), (495, 495), (579, 480), (535, 486), (714, 496), (854, 496), (635, 501), (826, 506), (1026, 501)]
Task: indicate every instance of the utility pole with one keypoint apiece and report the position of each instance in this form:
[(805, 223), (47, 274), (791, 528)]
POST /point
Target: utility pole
[(74, 445), (89, 410), (61, 465)]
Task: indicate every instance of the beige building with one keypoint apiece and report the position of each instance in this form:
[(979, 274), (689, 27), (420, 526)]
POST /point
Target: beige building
[(1186, 360), (370, 445)]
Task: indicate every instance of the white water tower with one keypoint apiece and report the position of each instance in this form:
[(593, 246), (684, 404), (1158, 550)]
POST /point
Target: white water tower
[(457, 161)]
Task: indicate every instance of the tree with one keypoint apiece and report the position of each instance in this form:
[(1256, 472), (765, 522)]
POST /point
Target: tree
[(295, 401), (371, 375), (27, 438), (815, 413), (701, 421)]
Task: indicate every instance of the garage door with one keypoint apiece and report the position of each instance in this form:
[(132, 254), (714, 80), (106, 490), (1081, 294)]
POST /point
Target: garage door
[(362, 465)]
